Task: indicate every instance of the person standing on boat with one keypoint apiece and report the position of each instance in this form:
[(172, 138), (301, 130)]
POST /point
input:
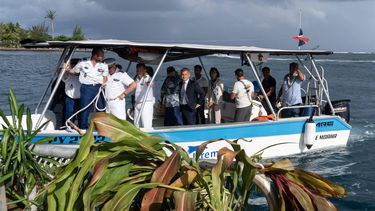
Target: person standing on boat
[(291, 90), (170, 98), (72, 91), (93, 74), (143, 81), (243, 92), (269, 85), (191, 97), (215, 96), (203, 83), (119, 85)]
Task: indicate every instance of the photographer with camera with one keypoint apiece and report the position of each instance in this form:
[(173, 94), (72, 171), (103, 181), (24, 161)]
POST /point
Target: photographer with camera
[(243, 92), (291, 90)]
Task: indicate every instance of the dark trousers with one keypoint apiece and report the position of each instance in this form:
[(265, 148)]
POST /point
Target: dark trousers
[(199, 116), (267, 108), (188, 115), (71, 106), (88, 92), (243, 114), (172, 116)]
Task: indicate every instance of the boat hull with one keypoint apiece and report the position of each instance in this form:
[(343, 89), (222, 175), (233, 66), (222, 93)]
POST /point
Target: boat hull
[(285, 136)]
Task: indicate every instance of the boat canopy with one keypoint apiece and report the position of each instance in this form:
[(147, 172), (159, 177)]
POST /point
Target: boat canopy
[(131, 50)]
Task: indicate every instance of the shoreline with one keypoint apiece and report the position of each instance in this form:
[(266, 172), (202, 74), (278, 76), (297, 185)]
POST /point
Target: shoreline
[(38, 49)]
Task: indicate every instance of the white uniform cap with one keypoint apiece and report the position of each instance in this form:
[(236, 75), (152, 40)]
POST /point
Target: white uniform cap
[(109, 61)]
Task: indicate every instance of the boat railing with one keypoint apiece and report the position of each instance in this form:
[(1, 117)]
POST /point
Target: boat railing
[(292, 107)]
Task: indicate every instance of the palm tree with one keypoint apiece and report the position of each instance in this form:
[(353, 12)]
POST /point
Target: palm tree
[(51, 15)]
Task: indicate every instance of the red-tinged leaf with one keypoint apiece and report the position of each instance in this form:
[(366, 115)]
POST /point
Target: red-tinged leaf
[(322, 204), (99, 170), (185, 200), (302, 197), (316, 183), (201, 148), (227, 156), (153, 199), (185, 180)]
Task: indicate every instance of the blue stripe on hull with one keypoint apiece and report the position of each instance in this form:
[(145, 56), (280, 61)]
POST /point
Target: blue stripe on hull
[(250, 130), (223, 131)]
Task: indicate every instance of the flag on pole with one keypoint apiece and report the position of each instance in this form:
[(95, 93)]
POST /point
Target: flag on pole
[(301, 39)]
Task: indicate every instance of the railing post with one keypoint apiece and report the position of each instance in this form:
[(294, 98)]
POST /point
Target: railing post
[(136, 121), (62, 71), (260, 84)]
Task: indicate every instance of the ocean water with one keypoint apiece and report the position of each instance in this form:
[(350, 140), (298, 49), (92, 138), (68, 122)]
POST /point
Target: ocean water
[(350, 76)]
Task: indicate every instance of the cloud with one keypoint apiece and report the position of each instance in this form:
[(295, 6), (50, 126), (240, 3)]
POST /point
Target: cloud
[(264, 23)]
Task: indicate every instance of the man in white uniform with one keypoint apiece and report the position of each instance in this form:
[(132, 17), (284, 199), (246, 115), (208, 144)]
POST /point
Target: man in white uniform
[(119, 86), (72, 87), (143, 81), (243, 92), (93, 74)]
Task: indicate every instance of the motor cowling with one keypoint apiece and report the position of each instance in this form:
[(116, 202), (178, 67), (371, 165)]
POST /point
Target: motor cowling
[(310, 131)]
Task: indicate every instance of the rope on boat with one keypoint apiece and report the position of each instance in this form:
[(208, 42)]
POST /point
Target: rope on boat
[(95, 99)]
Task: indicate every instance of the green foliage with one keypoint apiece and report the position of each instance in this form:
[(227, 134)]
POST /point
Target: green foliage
[(78, 33), (139, 171), (300, 189), (39, 32), (134, 172), (63, 38), (19, 171), (11, 34), (51, 14)]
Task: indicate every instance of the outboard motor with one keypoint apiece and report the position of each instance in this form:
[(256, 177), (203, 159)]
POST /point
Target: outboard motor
[(341, 107), (310, 131)]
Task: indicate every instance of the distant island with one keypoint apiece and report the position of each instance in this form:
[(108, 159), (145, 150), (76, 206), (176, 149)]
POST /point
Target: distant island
[(11, 34)]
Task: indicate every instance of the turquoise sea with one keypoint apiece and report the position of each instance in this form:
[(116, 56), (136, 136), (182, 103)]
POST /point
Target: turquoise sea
[(350, 76)]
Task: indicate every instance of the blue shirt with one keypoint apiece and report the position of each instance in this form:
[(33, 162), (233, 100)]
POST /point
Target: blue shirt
[(291, 90)]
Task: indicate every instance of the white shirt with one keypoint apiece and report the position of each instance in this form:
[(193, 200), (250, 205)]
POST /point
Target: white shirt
[(184, 100), (117, 84), (72, 87), (141, 90), (88, 74), (243, 98)]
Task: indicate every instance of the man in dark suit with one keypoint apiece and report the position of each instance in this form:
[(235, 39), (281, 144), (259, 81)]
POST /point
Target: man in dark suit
[(191, 97)]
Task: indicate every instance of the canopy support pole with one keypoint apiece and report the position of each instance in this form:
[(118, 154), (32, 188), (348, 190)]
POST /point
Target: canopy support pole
[(260, 84), (136, 122), (53, 76), (322, 85), (62, 71), (204, 69), (128, 67)]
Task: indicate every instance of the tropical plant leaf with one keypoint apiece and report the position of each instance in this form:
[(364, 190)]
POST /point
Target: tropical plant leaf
[(78, 180), (99, 170), (125, 195), (321, 203), (301, 196), (5, 119), (116, 129), (185, 200), (4, 143), (316, 183), (164, 174), (185, 180)]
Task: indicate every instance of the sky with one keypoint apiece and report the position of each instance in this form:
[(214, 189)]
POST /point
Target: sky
[(338, 25)]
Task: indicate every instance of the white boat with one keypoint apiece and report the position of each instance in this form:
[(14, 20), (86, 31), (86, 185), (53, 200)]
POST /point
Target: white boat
[(288, 135)]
